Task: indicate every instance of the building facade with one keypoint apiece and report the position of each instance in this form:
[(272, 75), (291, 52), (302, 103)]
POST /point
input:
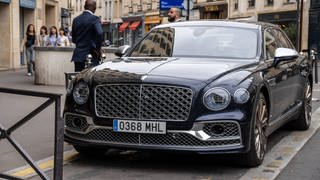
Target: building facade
[(110, 13), (138, 17), (15, 15), (212, 9), (282, 12)]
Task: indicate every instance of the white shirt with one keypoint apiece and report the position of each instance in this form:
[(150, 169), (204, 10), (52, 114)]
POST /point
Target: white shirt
[(89, 11)]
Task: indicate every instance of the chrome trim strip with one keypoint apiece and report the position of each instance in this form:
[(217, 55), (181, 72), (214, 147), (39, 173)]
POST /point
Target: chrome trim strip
[(201, 135), (217, 147)]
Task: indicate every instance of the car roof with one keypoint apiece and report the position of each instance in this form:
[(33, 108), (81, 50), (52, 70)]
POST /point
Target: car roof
[(226, 23)]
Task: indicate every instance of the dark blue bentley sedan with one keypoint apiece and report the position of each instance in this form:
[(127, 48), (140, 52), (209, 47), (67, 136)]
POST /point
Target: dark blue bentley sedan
[(201, 86)]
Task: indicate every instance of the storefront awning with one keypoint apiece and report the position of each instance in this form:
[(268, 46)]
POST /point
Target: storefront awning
[(152, 20), (203, 4), (5, 1), (123, 26), (134, 25), (29, 4)]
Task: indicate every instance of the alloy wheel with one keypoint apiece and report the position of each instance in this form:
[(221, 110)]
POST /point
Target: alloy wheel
[(307, 104), (261, 118)]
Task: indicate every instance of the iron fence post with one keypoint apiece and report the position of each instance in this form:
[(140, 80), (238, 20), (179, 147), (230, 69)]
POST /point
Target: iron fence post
[(58, 141)]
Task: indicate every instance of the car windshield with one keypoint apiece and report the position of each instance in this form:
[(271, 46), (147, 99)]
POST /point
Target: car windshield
[(219, 42)]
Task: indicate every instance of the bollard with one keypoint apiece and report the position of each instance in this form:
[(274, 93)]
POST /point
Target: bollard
[(313, 54)]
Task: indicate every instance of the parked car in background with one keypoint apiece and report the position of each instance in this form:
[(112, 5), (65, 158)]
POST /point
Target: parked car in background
[(200, 86)]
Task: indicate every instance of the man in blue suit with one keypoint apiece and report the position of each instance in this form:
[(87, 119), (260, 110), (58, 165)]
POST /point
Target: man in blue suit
[(87, 34)]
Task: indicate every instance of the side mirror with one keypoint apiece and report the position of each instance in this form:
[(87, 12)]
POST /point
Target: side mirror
[(122, 50), (285, 54)]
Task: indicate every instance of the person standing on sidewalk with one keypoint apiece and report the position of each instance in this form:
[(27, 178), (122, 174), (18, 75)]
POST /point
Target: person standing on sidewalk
[(53, 37), (43, 37), (28, 42), (87, 35), (63, 40), (174, 15)]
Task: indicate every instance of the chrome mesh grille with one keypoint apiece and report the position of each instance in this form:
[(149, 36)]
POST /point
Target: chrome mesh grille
[(118, 101), (183, 140), (147, 102)]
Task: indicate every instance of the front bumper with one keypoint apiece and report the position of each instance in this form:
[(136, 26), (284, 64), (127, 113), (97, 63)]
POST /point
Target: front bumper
[(209, 136)]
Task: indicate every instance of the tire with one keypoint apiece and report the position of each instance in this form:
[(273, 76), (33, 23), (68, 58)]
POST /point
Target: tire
[(258, 140), (304, 118), (90, 151)]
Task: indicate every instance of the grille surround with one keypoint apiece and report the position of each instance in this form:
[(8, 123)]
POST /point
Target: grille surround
[(172, 139), (143, 102)]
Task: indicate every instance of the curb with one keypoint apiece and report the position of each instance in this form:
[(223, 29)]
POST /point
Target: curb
[(45, 165), (283, 152)]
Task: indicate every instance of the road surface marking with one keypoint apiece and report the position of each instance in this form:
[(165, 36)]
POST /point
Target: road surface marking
[(44, 164), (282, 153)]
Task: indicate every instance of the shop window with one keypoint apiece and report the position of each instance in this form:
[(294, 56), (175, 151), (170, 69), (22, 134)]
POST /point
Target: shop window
[(99, 4), (290, 1), (268, 2), (251, 3), (236, 4)]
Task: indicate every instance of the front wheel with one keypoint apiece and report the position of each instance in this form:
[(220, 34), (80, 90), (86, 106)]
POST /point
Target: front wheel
[(258, 140), (304, 119)]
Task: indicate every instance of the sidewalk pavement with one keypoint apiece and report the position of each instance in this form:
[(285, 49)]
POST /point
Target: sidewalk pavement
[(18, 79)]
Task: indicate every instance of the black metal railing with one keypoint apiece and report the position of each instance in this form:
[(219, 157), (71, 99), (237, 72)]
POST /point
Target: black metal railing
[(58, 135)]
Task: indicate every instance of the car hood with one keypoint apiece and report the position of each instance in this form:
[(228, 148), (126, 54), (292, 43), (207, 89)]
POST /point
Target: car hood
[(201, 69)]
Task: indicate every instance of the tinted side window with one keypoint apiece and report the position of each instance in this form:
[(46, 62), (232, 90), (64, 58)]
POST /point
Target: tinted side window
[(158, 43), (270, 44), (282, 40)]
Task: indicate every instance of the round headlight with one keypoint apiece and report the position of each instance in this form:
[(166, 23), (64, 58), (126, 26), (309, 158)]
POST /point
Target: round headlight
[(241, 96), (81, 93), (216, 99)]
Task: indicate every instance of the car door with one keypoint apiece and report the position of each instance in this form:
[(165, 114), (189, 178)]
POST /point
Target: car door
[(276, 77), (292, 83)]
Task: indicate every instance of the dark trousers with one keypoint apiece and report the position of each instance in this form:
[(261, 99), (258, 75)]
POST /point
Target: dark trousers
[(79, 66)]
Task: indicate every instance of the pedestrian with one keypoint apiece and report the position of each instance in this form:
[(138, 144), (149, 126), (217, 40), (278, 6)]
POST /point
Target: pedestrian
[(174, 15), (28, 42), (63, 39), (53, 37), (43, 37), (87, 35)]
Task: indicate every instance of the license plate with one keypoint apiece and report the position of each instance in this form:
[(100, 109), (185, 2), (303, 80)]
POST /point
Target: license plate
[(146, 127)]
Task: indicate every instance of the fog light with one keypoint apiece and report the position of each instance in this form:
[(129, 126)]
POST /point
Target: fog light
[(79, 123), (217, 129)]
